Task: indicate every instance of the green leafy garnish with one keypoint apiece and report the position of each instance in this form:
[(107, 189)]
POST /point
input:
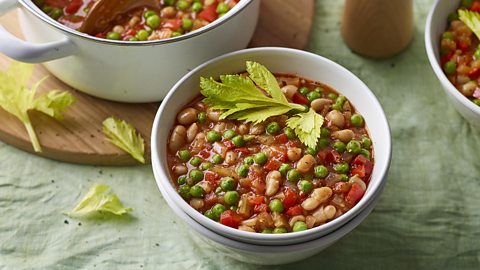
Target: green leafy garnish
[(98, 200), (17, 99), (471, 19), (242, 98), (125, 136)]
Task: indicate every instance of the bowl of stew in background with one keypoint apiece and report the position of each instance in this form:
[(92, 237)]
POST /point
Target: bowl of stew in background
[(297, 64), (457, 59), (128, 70)]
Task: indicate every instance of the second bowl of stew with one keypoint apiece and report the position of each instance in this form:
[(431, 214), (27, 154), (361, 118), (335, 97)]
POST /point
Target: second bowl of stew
[(271, 146)]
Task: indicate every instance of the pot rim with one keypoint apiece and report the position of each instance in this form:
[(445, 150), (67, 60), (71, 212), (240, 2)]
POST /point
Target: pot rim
[(33, 9)]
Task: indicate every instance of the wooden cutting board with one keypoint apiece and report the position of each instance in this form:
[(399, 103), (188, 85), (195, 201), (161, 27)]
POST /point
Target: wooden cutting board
[(79, 138)]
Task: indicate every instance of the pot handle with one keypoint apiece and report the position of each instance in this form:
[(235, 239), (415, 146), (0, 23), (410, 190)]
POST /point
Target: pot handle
[(28, 52)]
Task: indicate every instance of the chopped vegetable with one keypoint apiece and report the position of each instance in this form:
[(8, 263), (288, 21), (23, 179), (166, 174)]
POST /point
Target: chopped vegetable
[(124, 135), (471, 19), (17, 99)]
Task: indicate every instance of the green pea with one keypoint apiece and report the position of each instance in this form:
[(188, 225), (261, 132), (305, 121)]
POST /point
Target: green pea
[(343, 178), (149, 13), (284, 168), (293, 175), (313, 95), (176, 34), (153, 21), (466, 3), (209, 213), (341, 167), (477, 53), (222, 8), (365, 153), (184, 155), (227, 183), (320, 171), (324, 133), (213, 136), (39, 2), (319, 90), (354, 146), (249, 160), (228, 134), (357, 120), (182, 180), (196, 175), (142, 35), (183, 5), (231, 197), (339, 146), (477, 102), (217, 159), (248, 137), (113, 36), (217, 211), (450, 67), (267, 230), (452, 17), (311, 151), (447, 35), (238, 141), (305, 186), (184, 191), (186, 23), (323, 142), (332, 96), (202, 117), (242, 170), (206, 166), (197, 191), (195, 161), (366, 143), (56, 13), (169, 2), (280, 230), (276, 205), (196, 7), (133, 39), (299, 226), (304, 90), (260, 158), (273, 128), (290, 133)]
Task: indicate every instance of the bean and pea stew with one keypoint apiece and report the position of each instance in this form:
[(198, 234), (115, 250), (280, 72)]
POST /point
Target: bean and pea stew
[(460, 53), (175, 18), (260, 177)]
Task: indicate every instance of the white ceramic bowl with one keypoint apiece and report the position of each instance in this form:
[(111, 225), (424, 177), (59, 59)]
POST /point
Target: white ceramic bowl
[(261, 254), (436, 25), (283, 60), (119, 70)]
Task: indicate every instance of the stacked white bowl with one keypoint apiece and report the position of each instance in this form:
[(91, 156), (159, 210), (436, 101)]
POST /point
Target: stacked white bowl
[(273, 248)]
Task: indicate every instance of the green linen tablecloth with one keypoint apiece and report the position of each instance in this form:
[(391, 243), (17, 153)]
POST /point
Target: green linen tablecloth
[(428, 217)]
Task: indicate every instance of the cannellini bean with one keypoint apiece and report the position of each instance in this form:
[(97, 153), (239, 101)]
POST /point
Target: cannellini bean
[(178, 138), (220, 149), (272, 182), (310, 221), (294, 153), (344, 135), (264, 220), (199, 142), (192, 132), (222, 171), (265, 139), (118, 29), (187, 116), (168, 12), (289, 90), (180, 169), (310, 204), (206, 186), (321, 103), (461, 79), (250, 222), (220, 127), (305, 164), (231, 157), (242, 129), (322, 194), (257, 129), (134, 21), (197, 203), (469, 88), (336, 118), (245, 228), (358, 180), (323, 214), (295, 219), (213, 115)]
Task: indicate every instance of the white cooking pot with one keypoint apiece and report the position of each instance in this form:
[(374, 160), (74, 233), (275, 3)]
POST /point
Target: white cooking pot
[(119, 70)]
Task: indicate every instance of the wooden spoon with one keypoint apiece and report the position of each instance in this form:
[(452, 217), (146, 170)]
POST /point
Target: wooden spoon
[(104, 12)]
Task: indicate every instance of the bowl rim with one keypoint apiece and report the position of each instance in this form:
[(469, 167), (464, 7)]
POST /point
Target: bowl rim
[(432, 57), (33, 9), (272, 238)]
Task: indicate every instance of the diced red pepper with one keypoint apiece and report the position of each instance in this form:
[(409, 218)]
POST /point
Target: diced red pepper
[(243, 151), (300, 99), (295, 210), (272, 165), (230, 218), (229, 144), (463, 46), (173, 24), (354, 195), (209, 13), (204, 153), (475, 7), (474, 73), (74, 6), (278, 154), (256, 200), (291, 144), (282, 138), (290, 198), (258, 186), (212, 177), (362, 167), (260, 208), (211, 199), (445, 58), (329, 156)]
